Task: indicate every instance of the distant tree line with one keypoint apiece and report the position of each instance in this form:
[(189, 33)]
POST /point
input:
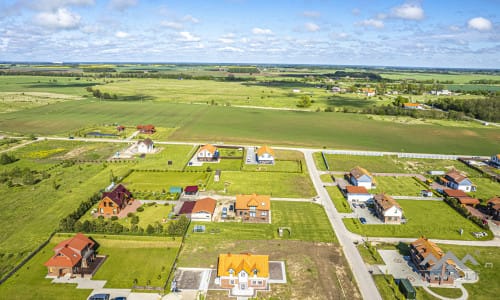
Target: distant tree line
[(484, 109)]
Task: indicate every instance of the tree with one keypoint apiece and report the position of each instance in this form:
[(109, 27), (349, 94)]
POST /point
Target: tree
[(6, 159), (305, 101), (150, 229)]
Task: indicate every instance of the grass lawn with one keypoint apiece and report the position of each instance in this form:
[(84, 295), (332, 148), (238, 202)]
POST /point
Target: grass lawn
[(158, 181), (223, 164), (338, 199), (279, 166), (486, 189), (161, 134), (434, 219), (147, 260), (398, 186), (390, 291), (326, 178), (447, 292), (276, 184), (30, 283), (370, 257), (177, 154)]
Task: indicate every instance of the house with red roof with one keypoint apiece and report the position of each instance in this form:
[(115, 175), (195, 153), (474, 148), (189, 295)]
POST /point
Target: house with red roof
[(493, 207), (265, 155), (357, 194), (387, 209), (199, 210), (112, 203), (71, 256), (148, 129)]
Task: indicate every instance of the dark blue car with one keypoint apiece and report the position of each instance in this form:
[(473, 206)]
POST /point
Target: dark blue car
[(362, 220)]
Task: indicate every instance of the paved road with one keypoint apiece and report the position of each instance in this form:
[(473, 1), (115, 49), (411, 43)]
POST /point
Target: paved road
[(364, 279)]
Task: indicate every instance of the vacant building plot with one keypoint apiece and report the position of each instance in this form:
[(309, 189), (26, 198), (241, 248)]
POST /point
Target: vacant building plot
[(433, 219), (171, 157), (159, 181), (486, 188), (338, 199), (398, 186)]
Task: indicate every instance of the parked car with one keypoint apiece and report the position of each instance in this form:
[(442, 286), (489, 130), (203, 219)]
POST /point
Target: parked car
[(224, 212), (354, 205), (362, 205), (362, 220), (99, 297), (120, 298)]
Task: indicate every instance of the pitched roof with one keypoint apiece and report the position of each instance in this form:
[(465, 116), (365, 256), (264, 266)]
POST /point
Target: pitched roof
[(386, 201), (261, 202), (78, 242), (246, 262), (409, 104), (265, 149), (468, 201), (456, 176), (205, 205), (187, 207), (357, 172), (455, 193), (351, 189), (118, 195), (146, 127), (191, 189), (495, 202), (426, 247), (209, 148), (147, 142), (64, 258)]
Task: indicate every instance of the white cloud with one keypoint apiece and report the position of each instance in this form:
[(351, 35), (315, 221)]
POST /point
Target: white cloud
[(122, 5), (226, 40), (339, 35), (172, 25), (60, 19), (185, 36), (46, 5), (4, 44), (311, 27), (122, 34), (231, 49), (372, 23), (91, 29), (311, 14), (190, 18), (261, 31), (480, 23), (408, 11)]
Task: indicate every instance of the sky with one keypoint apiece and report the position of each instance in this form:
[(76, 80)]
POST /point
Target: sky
[(444, 33)]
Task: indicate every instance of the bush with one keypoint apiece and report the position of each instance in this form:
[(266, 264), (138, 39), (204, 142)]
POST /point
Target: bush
[(114, 218), (140, 209), (130, 214)]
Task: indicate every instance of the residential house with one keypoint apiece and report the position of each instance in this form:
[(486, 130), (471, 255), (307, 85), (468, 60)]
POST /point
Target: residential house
[(435, 266), (361, 177), (253, 208), (191, 190), (265, 155), (357, 194), (441, 92), (409, 105), (112, 203), (199, 210), (493, 207), (457, 181), (387, 209), (207, 153), (454, 193), (120, 128), (148, 129), (468, 201), (71, 256), (369, 92), (495, 161), (243, 274), (145, 146)]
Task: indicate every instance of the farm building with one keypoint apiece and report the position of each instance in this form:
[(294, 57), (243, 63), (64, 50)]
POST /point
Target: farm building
[(148, 129), (357, 194), (145, 146), (265, 155), (242, 273), (388, 209), (71, 256), (199, 210), (361, 177), (253, 208), (112, 203), (457, 181), (207, 153)]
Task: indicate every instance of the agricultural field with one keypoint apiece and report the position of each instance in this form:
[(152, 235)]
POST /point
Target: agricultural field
[(398, 186), (434, 219), (46, 84), (237, 125), (10, 101), (160, 181)]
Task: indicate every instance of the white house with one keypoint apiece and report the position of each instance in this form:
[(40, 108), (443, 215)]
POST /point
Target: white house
[(358, 194), (361, 177), (265, 155), (145, 146), (387, 209), (207, 153), (457, 181)]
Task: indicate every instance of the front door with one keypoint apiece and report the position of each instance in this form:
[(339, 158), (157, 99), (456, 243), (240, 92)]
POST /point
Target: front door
[(243, 286)]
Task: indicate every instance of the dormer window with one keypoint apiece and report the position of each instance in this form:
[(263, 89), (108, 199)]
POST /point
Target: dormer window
[(255, 272), (231, 271)]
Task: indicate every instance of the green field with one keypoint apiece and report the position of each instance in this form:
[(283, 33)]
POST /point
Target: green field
[(159, 181), (486, 189), (237, 125), (289, 185), (397, 186), (177, 154), (434, 219), (338, 200)]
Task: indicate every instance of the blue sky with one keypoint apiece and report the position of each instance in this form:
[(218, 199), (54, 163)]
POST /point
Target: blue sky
[(428, 33)]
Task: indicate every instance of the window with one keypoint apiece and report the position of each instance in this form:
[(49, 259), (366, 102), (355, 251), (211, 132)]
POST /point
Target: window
[(253, 208), (231, 281), (110, 204), (252, 214), (102, 210), (264, 213), (104, 203)]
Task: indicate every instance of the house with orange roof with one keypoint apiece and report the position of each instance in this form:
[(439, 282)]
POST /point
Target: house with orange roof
[(71, 256), (253, 208), (369, 92), (409, 105), (493, 207), (435, 266), (207, 153), (361, 177), (387, 209), (199, 210), (112, 203), (243, 273), (265, 155), (458, 181), (357, 194)]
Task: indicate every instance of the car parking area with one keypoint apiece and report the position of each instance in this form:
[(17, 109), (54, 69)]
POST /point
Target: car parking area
[(367, 213), (399, 266), (192, 278)]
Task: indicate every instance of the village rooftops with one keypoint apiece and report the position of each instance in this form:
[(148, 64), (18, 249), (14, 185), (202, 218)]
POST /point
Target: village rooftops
[(468, 201), (260, 202), (233, 264), (68, 252), (455, 193), (351, 189), (191, 189), (147, 142), (358, 171), (386, 201), (494, 203), (204, 205), (118, 195), (425, 247), (265, 149), (456, 176), (209, 148)]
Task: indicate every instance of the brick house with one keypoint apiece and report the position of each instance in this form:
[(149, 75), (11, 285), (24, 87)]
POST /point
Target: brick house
[(112, 203), (71, 255), (253, 208), (243, 273), (387, 209)]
